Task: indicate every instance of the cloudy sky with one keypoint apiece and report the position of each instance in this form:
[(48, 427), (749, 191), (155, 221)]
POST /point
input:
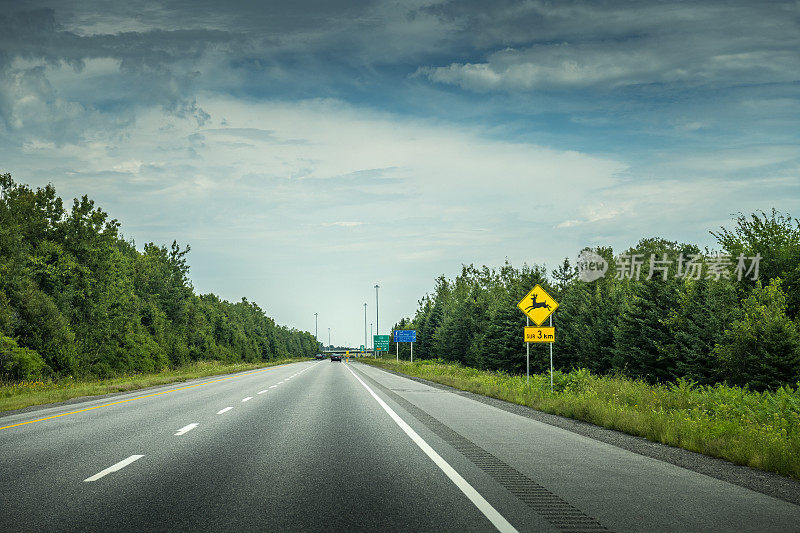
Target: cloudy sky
[(307, 150)]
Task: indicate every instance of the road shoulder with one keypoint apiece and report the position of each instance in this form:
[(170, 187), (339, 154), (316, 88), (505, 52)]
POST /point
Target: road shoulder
[(767, 483)]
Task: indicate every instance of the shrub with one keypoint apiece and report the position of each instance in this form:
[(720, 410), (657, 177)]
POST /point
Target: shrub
[(763, 348), (17, 363)]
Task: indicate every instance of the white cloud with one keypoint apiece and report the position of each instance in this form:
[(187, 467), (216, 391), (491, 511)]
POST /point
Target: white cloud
[(613, 65), (732, 160), (569, 223), (424, 195), (343, 224), (419, 192)]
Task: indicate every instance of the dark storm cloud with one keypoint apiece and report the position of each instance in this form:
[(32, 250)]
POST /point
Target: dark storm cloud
[(544, 45), (37, 34), (165, 55), (152, 67), (273, 17)]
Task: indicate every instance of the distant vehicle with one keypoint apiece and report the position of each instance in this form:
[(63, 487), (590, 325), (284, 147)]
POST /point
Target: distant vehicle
[(319, 356), (336, 357)]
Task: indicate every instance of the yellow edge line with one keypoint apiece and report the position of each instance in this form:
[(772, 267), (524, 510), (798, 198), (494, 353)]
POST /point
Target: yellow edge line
[(140, 397)]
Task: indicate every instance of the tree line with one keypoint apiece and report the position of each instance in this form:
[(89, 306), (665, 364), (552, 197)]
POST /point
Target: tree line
[(77, 299), (727, 317)]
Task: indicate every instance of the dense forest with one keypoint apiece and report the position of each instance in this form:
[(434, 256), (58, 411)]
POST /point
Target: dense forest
[(77, 299), (732, 316)]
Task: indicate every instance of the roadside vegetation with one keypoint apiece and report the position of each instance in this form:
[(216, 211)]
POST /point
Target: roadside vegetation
[(79, 302), (746, 427), (693, 348), (25, 393), (663, 311)]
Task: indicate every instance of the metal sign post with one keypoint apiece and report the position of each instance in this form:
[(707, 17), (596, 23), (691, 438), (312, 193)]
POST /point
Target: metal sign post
[(551, 358), (412, 352), (527, 356)]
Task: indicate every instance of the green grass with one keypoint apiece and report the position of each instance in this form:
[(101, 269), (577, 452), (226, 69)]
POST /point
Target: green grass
[(757, 429), (26, 393)]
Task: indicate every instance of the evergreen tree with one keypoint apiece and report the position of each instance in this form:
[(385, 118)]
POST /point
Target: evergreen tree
[(503, 344), (706, 309), (642, 336)]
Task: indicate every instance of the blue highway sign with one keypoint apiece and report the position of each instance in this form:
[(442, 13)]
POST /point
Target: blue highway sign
[(405, 335)]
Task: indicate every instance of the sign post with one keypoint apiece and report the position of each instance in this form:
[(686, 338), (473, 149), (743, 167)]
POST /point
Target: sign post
[(405, 335), (538, 306), (527, 355), (551, 355)]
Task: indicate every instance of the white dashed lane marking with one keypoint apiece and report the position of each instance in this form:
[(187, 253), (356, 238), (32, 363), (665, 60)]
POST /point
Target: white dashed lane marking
[(120, 465), (186, 429), (224, 410)]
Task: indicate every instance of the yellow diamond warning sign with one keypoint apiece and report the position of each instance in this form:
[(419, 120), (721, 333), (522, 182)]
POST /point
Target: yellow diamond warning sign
[(538, 305)]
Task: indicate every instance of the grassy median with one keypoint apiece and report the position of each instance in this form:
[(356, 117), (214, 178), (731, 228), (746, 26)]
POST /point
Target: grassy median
[(757, 429), (26, 393)]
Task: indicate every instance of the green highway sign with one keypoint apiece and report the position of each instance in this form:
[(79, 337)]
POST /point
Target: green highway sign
[(381, 342)]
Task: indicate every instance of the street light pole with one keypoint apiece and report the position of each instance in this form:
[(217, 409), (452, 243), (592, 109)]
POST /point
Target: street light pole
[(373, 338), (377, 327), (365, 327), (316, 324), (329, 338), (377, 323)]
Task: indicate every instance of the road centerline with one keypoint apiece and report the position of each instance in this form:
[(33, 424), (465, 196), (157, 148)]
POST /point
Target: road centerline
[(241, 374)]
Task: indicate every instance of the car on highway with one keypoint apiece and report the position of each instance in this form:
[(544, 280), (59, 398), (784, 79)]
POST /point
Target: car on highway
[(336, 357), (319, 356)]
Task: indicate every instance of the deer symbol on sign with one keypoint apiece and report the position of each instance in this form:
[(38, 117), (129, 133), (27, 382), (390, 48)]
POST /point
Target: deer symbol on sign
[(536, 305)]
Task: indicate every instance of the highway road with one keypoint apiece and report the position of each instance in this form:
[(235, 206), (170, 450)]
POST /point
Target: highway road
[(328, 446)]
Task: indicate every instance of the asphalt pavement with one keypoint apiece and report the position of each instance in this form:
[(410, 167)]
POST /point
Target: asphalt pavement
[(329, 446)]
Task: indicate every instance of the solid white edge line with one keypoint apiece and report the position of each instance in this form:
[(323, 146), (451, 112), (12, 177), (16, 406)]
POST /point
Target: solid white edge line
[(248, 398), (186, 429), (225, 410), (469, 491), (113, 468)]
